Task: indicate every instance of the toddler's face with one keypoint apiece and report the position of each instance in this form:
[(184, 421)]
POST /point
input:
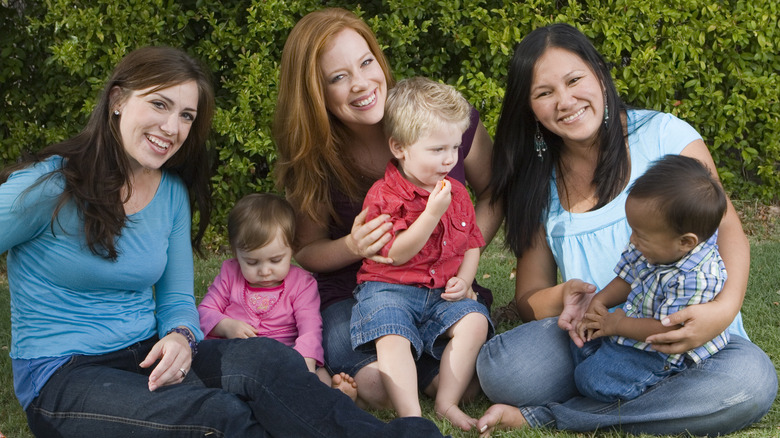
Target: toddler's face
[(268, 265), (428, 160), (651, 235)]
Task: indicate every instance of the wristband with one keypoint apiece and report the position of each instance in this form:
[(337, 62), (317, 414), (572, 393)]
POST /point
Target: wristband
[(187, 334)]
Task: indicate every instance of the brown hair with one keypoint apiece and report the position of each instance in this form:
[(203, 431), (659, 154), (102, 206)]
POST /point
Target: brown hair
[(96, 167), (310, 141), (256, 218)]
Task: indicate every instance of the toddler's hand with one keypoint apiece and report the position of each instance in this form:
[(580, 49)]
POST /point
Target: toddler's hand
[(440, 198), (455, 290), (233, 329)]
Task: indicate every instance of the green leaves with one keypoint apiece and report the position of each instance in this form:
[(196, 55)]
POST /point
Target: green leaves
[(713, 64)]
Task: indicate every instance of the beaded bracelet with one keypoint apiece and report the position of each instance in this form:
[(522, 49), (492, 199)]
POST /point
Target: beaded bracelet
[(187, 334)]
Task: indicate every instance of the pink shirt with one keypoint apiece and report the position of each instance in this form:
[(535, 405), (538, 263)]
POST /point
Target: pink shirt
[(289, 313), (442, 254)]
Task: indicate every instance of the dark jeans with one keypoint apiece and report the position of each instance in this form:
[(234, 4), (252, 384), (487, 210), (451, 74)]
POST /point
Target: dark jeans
[(236, 388)]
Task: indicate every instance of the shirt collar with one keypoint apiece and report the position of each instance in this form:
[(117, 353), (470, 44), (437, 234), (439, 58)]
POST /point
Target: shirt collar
[(406, 190)]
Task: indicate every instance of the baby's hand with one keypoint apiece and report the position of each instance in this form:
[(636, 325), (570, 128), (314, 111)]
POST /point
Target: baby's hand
[(455, 290), (230, 328), (440, 198), (600, 322)]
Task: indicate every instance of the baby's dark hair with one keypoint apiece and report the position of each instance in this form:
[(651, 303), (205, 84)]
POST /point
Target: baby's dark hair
[(256, 218), (687, 195)]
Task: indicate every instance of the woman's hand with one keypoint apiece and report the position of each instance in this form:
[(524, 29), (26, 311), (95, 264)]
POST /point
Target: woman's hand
[(173, 352), (577, 296), (368, 238), (701, 323)]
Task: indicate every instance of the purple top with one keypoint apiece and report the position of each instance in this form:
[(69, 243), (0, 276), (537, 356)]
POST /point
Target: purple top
[(338, 285)]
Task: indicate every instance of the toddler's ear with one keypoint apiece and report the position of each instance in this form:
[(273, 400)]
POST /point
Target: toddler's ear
[(396, 148), (688, 241)]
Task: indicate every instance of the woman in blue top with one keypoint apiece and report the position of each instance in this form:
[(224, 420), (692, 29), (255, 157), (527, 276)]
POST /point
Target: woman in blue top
[(566, 151), (100, 270)]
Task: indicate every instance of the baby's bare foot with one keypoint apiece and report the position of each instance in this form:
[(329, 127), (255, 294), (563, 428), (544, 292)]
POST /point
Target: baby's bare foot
[(344, 383), (457, 417)]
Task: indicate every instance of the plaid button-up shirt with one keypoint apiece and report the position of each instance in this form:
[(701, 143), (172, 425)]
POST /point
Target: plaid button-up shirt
[(660, 290)]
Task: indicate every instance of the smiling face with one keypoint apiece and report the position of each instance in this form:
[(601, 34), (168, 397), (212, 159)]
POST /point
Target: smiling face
[(153, 126), (428, 160), (567, 97), (268, 265), (354, 82), (652, 236)]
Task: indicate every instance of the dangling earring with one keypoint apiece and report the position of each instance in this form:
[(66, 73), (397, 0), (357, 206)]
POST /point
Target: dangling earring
[(539, 143), (116, 112), (606, 110)]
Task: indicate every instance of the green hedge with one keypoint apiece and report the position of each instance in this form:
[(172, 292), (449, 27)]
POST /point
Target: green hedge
[(713, 63)]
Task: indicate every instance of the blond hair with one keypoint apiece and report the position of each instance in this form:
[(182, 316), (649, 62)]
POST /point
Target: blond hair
[(310, 141), (256, 219), (417, 105)]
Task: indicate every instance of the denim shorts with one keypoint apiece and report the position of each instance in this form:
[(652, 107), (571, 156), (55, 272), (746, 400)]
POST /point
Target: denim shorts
[(341, 358), (418, 314)]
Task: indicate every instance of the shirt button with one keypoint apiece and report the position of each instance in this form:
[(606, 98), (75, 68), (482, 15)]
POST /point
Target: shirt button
[(462, 224), (444, 243), (629, 307), (433, 271)]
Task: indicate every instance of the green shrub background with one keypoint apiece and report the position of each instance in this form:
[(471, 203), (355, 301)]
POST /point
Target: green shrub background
[(713, 63)]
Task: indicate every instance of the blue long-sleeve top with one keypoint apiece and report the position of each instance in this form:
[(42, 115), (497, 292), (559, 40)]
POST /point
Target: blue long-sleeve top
[(65, 300)]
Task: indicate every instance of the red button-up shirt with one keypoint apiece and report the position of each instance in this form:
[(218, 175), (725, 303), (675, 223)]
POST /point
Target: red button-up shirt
[(442, 254)]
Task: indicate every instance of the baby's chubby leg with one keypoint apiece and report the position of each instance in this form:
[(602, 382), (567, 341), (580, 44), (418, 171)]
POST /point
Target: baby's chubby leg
[(399, 374), (457, 369)]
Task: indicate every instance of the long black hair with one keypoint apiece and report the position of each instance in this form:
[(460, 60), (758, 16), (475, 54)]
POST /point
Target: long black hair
[(520, 181)]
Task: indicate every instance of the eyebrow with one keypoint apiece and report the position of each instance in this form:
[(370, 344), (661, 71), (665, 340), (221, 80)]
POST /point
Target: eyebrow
[(170, 101), (361, 57)]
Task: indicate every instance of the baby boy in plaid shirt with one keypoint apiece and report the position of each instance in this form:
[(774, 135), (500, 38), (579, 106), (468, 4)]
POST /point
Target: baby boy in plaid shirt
[(671, 262)]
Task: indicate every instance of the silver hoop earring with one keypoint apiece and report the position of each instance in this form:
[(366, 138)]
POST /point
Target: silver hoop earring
[(606, 110), (539, 145)]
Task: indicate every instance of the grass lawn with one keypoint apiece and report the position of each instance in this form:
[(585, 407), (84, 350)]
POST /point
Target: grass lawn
[(761, 312)]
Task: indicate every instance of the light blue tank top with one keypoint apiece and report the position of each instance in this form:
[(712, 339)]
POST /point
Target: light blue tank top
[(588, 245)]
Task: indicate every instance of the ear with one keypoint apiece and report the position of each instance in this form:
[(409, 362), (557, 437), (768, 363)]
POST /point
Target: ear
[(115, 98), (688, 241), (396, 148)]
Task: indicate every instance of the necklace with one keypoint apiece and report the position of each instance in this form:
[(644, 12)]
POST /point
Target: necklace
[(262, 300)]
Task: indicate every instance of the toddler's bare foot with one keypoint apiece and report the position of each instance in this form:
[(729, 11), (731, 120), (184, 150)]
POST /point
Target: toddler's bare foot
[(344, 383), (498, 417), (457, 417)]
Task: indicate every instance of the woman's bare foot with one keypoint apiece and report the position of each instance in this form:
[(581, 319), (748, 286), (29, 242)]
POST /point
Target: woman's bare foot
[(345, 383), (498, 417), (457, 417)]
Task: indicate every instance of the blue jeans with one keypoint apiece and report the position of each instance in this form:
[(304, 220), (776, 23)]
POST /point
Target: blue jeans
[(607, 371), (531, 367), (236, 388)]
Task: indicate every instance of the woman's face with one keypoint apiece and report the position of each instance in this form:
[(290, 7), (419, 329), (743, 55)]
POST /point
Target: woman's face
[(354, 82), (154, 126), (567, 97)]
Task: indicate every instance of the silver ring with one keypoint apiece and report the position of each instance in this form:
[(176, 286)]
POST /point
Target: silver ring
[(183, 373)]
